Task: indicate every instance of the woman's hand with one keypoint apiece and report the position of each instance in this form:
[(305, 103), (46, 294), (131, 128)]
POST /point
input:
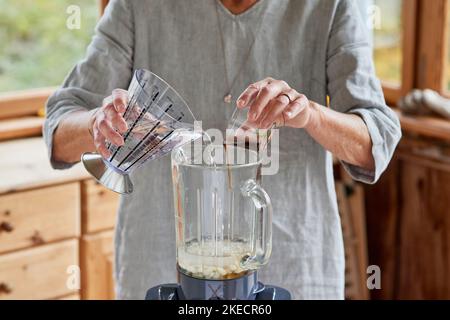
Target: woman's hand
[(345, 135), (272, 102), (107, 122)]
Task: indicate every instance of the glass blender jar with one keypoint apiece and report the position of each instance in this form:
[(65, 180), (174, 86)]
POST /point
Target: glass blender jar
[(223, 223)]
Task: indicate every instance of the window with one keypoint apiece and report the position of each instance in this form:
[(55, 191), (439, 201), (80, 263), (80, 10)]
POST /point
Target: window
[(40, 40), (387, 40), (393, 24)]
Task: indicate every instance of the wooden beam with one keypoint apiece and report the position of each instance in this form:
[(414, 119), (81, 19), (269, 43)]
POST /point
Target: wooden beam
[(432, 127), (23, 103), (409, 42), (20, 128), (393, 92), (432, 44)]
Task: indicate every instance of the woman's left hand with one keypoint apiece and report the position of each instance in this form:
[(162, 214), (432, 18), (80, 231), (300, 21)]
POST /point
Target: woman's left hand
[(272, 102)]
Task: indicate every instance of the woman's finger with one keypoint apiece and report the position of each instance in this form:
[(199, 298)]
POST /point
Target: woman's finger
[(265, 95), (120, 100), (274, 111), (273, 114), (247, 96), (116, 119), (109, 133), (251, 92), (293, 113), (99, 142)]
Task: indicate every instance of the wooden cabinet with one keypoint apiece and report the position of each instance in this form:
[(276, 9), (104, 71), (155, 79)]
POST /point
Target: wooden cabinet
[(350, 197), (382, 206), (34, 252), (424, 232), (38, 273), (409, 222), (39, 216), (99, 207), (97, 265), (54, 225)]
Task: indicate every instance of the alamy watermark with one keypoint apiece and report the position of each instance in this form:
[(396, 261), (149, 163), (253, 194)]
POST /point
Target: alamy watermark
[(237, 147), (73, 278), (73, 21), (374, 277), (373, 15)]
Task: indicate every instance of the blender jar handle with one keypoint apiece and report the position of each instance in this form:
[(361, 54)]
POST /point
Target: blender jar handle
[(262, 232)]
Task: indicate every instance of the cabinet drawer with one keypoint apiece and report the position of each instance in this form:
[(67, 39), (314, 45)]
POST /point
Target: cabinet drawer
[(99, 206), (35, 217), (97, 259), (38, 273)]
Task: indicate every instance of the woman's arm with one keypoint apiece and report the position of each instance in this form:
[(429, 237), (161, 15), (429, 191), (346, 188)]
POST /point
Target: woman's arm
[(87, 131), (67, 149), (345, 135)]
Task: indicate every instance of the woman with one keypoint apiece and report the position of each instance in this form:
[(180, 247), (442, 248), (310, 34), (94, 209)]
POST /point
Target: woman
[(293, 53)]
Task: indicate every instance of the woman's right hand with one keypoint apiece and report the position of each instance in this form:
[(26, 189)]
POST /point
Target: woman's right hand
[(107, 122)]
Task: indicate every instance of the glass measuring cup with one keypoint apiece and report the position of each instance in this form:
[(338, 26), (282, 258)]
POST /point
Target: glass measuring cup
[(245, 133), (158, 119)]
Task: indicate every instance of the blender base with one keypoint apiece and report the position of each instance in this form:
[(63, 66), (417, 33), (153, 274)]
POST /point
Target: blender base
[(244, 288)]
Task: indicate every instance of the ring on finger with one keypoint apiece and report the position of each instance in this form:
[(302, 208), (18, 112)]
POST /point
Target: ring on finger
[(287, 96)]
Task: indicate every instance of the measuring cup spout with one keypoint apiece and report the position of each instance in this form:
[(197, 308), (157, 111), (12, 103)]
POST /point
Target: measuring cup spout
[(106, 174)]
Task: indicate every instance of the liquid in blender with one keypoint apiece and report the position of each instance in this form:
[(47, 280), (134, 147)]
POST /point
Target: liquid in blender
[(199, 260)]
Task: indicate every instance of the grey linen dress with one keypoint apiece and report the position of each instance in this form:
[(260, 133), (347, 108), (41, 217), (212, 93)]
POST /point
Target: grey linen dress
[(320, 47)]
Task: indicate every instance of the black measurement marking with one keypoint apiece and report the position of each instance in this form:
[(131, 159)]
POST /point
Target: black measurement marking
[(137, 160), (145, 137), (134, 125)]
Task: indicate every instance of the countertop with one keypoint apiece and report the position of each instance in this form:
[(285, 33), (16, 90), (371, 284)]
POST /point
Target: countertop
[(24, 165)]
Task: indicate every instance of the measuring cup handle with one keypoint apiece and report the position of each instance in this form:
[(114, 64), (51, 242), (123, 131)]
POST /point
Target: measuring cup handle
[(262, 233)]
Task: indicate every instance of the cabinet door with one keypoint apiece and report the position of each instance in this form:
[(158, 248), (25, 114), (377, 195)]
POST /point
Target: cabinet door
[(97, 259), (39, 273), (39, 216), (99, 207), (424, 225), (382, 212), (350, 196)]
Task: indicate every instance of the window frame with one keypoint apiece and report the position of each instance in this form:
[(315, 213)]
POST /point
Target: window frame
[(432, 51), (393, 93), (30, 102)]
